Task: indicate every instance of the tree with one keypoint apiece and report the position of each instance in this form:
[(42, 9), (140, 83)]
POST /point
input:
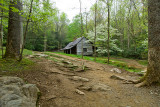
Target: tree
[(14, 30), (1, 31), (73, 29), (153, 69), (81, 26), (95, 33), (25, 34), (102, 39), (108, 29)]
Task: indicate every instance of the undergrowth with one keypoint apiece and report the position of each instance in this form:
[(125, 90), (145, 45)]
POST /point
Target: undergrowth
[(12, 65)]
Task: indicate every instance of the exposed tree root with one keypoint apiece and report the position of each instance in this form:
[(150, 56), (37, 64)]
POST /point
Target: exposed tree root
[(141, 84), (138, 81)]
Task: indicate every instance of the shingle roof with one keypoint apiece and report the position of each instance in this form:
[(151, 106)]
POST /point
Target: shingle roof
[(72, 44)]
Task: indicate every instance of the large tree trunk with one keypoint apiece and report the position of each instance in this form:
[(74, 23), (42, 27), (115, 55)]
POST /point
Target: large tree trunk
[(14, 31), (153, 69), (95, 24), (1, 31)]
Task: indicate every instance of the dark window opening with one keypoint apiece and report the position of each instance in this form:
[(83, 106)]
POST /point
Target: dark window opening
[(84, 49)]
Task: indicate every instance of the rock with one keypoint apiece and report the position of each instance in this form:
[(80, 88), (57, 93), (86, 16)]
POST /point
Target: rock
[(87, 88), (15, 93), (30, 56), (140, 74), (77, 78), (66, 62), (117, 77), (41, 55), (4, 71), (80, 92), (116, 70), (144, 71), (100, 87), (50, 97)]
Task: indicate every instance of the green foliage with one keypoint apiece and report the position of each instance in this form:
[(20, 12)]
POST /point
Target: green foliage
[(130, 19), (74, 29), (49, 26), (27, 52), (102, 38), (129, 26)]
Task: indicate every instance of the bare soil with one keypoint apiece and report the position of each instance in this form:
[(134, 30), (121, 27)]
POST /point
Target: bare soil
[(58, 90)]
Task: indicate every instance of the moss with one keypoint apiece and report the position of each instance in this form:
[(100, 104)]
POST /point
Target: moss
[(10, 65)]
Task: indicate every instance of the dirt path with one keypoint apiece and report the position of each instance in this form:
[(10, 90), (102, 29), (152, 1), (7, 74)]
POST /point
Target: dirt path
[(58, 86)]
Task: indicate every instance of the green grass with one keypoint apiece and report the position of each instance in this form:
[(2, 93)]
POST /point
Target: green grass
[(10, 65), (50, 54), (25, 52), (103, 60), (13, 65), (4, 50), (143, 62)]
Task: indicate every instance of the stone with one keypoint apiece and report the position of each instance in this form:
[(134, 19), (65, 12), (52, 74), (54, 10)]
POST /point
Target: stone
[(100, 87), (15, 93), (87, 88), (117, 77), (4, 71), (41, 55), (77, 78), (144, 71), (80, 92), (50, 97), (30, 56), (140, 74), (66, 62), (116, 70)]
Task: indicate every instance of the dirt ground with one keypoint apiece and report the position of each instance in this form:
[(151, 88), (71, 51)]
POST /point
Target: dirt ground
[(59, 90)]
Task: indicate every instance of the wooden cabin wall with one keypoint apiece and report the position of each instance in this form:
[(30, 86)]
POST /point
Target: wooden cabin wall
[(85, 45)]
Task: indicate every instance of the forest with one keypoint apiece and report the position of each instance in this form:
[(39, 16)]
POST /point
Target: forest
[(125, 41), (51, 30)]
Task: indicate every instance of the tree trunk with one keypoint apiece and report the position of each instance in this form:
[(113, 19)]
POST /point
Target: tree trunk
[(86, 21), (1, 37), (153, 69), (21, 32), (25, 33), (1, 32), (45, 41), (81, 28), (95, 31), (108, 29), (14, 29)]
